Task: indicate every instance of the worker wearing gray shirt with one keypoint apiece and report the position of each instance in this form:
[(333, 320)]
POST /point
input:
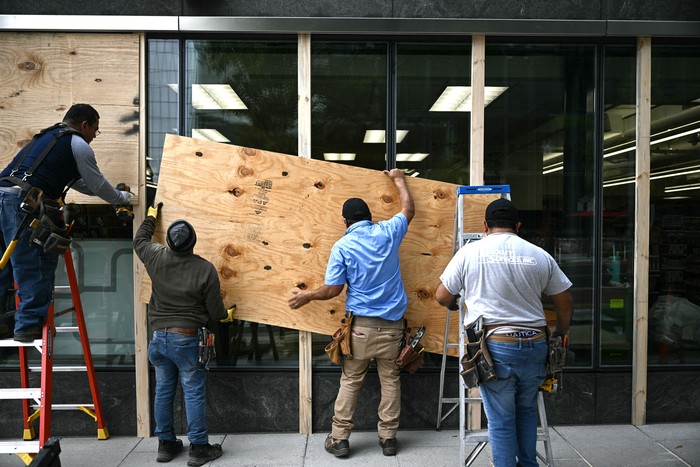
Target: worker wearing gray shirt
[(69, 163)]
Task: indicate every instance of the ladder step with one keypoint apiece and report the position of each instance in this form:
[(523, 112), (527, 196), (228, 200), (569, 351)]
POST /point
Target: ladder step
[(67, 329), (480, 436), (67, 406), (9, 342), (20, 393), (449, 400), (62, 288), (61, 369), (19, 447)]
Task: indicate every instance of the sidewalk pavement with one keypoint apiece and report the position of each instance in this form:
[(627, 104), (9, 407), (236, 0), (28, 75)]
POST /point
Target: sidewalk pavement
[(668, 445)]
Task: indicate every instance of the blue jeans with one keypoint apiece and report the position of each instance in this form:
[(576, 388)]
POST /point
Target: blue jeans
[(510, 402), (175, 355), (33, 271)]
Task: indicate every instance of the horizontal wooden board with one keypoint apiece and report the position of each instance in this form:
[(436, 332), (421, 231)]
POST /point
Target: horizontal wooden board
[(267, 221), (43, 74)]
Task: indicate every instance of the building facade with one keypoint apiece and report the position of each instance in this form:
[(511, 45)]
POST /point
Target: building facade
[(591, 113)]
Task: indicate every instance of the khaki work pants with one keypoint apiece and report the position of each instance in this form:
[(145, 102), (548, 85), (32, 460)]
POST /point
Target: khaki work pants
[(379, 339)]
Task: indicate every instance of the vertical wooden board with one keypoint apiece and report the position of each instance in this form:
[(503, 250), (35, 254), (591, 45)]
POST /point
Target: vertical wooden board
[(267, 221), (43, 74)]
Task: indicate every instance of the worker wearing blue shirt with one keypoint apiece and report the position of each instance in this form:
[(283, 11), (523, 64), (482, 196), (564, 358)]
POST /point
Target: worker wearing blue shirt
[(366, 258)]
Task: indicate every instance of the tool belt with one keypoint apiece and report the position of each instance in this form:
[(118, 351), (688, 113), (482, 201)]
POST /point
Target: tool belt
[(411, 353), (339, 347), (477, 366), (207, 349), (49, 233)]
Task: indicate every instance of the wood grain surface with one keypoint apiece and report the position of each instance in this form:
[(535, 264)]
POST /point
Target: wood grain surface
[(267, 221), (43, 74)]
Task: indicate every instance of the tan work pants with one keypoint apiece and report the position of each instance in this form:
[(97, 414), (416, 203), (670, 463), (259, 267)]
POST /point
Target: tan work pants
[(378, 339)]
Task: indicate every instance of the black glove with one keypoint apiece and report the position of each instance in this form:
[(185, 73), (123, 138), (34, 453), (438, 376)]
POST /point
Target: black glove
[(454, 306)]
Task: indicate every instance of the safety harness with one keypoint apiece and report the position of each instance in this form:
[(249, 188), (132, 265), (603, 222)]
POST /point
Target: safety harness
[(48, 236)]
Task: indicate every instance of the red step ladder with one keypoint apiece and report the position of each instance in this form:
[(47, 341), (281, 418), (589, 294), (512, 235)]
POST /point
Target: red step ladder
[(42, 406)]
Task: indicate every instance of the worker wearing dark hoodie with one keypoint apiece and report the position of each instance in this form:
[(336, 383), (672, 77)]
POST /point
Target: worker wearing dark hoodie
[(185, 296)]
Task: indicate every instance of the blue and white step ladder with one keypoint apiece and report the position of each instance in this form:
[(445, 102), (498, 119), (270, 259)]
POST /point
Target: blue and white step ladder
[(470, 420)]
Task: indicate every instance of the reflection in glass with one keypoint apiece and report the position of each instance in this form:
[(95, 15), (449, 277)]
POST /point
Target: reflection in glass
[(619, 133), (348, 99), (163, 72), (433, 105), (242, 92), (674, 249), (539, 139)]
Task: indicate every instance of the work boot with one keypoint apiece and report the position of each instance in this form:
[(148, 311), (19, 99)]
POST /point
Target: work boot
[(388, 446), (202, 453), (28, 335), (167, 449), (339, 448)]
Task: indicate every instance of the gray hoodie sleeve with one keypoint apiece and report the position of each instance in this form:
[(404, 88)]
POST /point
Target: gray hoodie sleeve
[(92, 182)]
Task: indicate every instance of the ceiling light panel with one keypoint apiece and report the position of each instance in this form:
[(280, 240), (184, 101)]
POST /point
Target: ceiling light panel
[(216, 97), (339, 156), (379, 136), (209, 134), (459, 98)]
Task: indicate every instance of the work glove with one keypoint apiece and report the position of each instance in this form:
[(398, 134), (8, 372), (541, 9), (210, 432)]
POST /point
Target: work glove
[(454, 306), (229, 316), (123, 187), (153, 211)]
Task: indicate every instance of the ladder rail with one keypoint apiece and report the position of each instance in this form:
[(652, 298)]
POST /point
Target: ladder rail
[(38, 402), (469, 435)]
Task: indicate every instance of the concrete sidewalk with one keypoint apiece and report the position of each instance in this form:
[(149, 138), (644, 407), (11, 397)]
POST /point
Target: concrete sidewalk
[(667, 445)]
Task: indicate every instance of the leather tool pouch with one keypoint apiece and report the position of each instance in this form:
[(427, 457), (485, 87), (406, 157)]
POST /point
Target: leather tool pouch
[(207, 349), (339, 347), (50, 235), (410, 357), (477, 366)]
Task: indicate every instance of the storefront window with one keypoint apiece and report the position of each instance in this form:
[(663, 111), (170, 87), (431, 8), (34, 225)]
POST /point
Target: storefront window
[(674, 247), (348, 103), (539, 139), (617, 247), (103, 259), (433, 105)]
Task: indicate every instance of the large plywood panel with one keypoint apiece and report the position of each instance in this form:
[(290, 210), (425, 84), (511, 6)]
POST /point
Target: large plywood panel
[(267, 221), (43, 74)]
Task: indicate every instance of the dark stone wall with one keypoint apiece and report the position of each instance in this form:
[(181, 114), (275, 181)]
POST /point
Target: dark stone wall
[(250, 401), (653, 10)]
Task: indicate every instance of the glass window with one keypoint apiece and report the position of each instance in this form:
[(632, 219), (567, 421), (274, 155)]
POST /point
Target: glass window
[(348, 103), (433, 105), (617, 247), (103, 259), (243, 93), (539, 139), (674, 249)]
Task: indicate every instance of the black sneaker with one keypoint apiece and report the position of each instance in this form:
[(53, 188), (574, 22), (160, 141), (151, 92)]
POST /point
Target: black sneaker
[(200, 454), (340, 448), (28, 335), (388, 446), (167, 450)]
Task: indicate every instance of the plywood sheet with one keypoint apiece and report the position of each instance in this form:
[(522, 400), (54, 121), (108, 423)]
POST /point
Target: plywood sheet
[(43, 74), (267, 221)]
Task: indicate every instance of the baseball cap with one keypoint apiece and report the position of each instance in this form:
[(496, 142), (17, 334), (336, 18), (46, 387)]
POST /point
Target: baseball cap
[(181, 236), (502, 208), (355, 209)]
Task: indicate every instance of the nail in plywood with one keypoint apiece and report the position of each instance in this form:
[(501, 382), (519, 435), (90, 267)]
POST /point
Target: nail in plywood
[(267, 221)]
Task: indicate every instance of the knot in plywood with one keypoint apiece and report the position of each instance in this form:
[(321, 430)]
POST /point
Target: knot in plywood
[(423, 294), (232, 251), (440, 194), (320, 185), (227, 273), (236, 191), (244, 171), (388, 199), (28, 66), (250, 152)]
